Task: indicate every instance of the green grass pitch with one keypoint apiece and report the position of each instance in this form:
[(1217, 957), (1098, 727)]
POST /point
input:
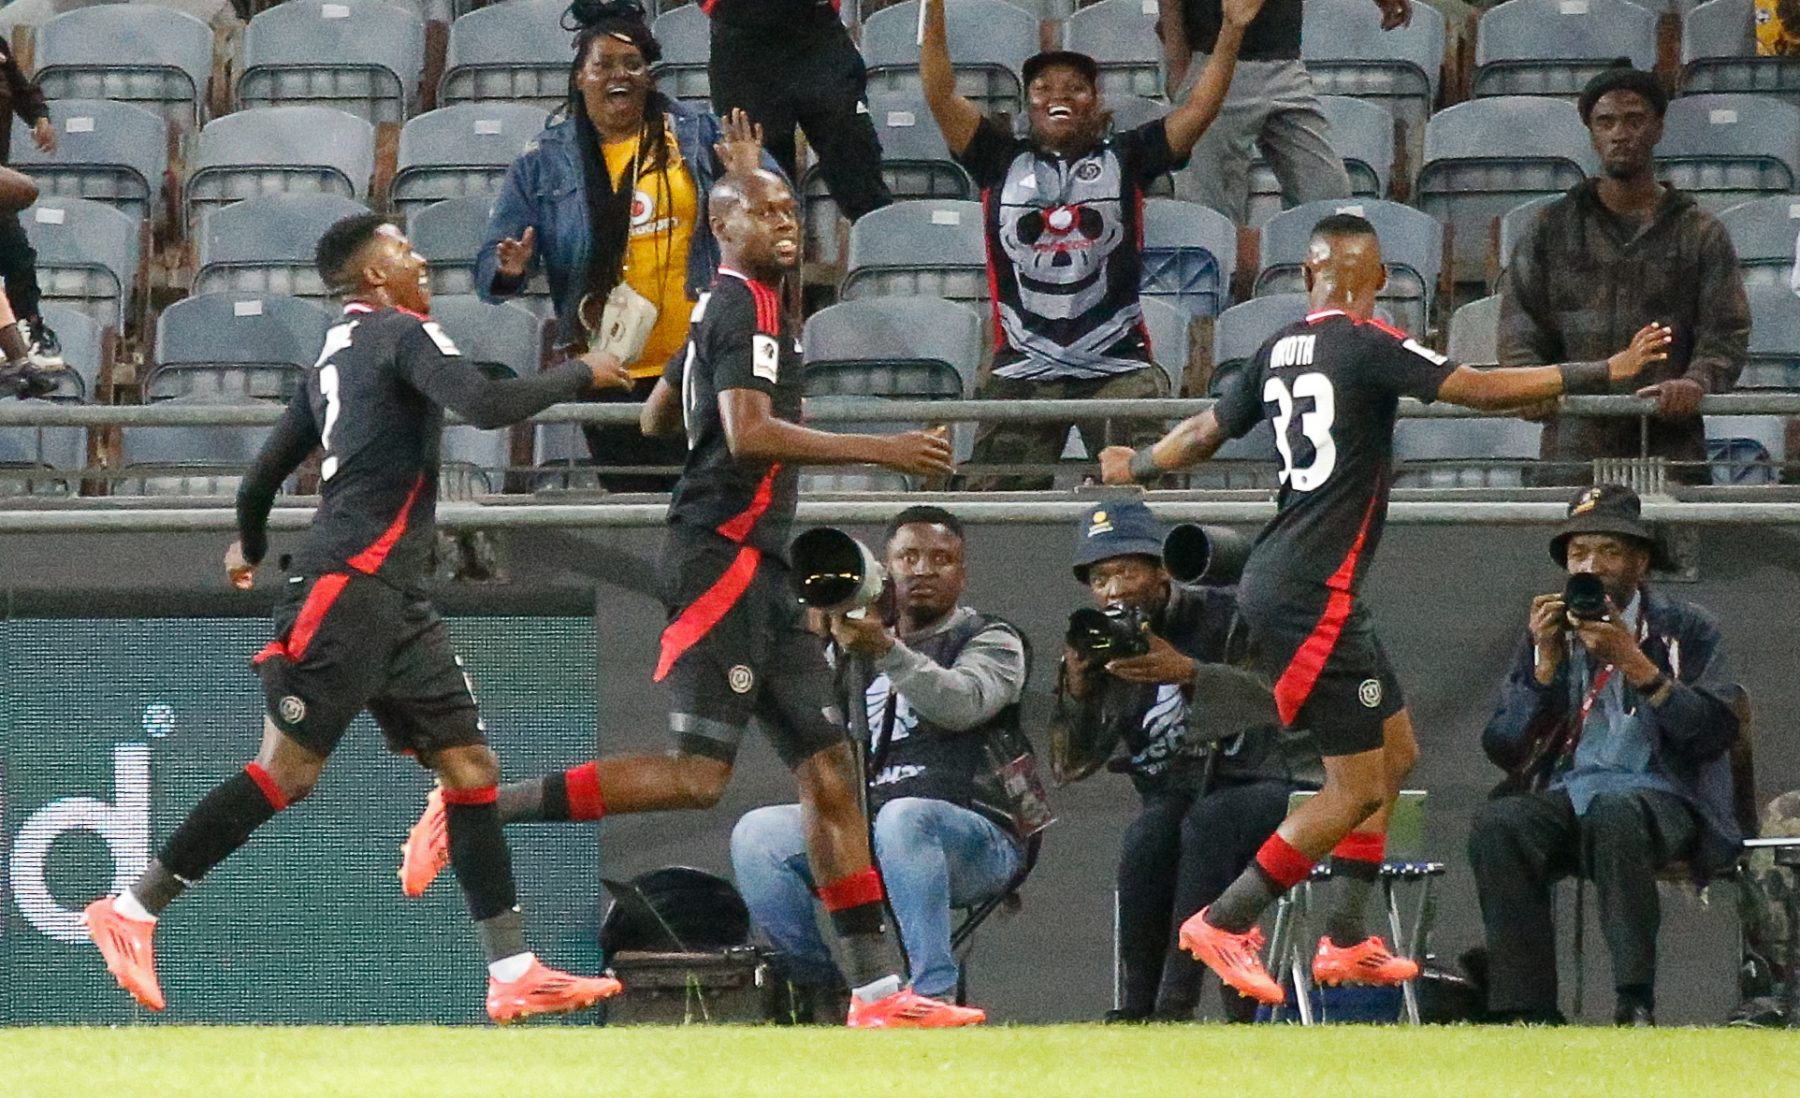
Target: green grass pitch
[(1030, 1062)]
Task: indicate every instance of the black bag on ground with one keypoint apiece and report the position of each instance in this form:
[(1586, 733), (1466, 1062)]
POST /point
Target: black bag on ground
[(679, 940)]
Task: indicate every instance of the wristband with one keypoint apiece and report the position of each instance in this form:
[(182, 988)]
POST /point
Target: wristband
[(1585, 377), (1143, 466)]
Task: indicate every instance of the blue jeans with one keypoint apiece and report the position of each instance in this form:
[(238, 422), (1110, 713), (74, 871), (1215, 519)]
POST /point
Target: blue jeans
[(934, 856)]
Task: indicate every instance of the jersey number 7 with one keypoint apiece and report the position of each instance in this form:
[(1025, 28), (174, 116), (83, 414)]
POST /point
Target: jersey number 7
[(1314, 426)]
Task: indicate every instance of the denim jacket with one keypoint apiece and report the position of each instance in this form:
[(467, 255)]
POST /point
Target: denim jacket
[(546, 188)]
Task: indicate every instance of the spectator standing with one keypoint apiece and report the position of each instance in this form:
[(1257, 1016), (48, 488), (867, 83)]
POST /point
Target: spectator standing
[(1615, 253), (1064, 235), (18, 261), (1616, 728), (788, 63)]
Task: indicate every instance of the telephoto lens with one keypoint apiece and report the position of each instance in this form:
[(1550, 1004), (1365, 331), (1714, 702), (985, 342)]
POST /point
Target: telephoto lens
[(1585, 597)]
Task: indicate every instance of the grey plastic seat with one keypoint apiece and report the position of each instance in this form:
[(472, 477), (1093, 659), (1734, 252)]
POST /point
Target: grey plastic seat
[(1554, 47), (1516, 223), (516, 51), (1362, 134), (502, 340), (1763, 232), (915, 163), (268, 245), (1746, 449), (912, 347), (928, 248), (87, 255), (1475, 332), (1242, 330), (1120, 35), (1189, 254), (1347, 53), (460, 150), (152, 57), (1412, 246), (1718, 54), (41, 461), (233, 346), (86, 350), (449, 235), (1463, 453), (360, 56), (114, 153), (188, 461), (273, 150), (1725, 148), (989, 42), (473, 461), (1774, 359), (1168, 326), (685, 35), (1486, 156), (1128, 113), (1251, 462)]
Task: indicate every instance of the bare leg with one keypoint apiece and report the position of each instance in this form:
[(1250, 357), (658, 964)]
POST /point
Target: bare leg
[(837, 835)]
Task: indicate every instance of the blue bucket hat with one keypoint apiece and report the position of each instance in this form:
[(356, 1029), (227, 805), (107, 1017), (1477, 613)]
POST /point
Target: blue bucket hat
[(1116, 528)]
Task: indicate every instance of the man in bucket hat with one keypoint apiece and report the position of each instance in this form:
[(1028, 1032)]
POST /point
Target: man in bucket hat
[(1615, 724)]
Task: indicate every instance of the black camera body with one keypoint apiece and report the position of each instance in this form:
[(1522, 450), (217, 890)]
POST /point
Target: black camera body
[(1584, 597), (1115, 632)]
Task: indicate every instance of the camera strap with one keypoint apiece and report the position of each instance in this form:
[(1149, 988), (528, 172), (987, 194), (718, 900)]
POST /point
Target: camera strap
[(1600, 682)]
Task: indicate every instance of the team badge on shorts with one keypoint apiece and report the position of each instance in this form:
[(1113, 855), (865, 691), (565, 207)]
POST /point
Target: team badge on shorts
[(1369, 693), (292, 709), (740, 679)]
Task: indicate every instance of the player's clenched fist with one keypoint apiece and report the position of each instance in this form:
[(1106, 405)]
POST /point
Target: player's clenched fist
[(511, 257), (1115, 465)]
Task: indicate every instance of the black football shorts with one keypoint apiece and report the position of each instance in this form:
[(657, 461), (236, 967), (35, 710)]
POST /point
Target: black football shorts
[(346, 642), (1331, 675), (735, 648)]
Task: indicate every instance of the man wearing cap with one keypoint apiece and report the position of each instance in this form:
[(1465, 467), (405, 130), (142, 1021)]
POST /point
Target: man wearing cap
[(1615, 730), (1062, 212), (1615, 253), (1164, 713)]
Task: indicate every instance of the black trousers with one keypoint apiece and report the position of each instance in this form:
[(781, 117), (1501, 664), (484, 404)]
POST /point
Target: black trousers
[(1177, 857), (18, 266), (815, 81), (1519, 846), (624, 444)]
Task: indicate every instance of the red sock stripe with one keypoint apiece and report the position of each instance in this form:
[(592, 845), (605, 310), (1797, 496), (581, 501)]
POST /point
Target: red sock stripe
[(583, 785), (277, 799), (487, 794), (1284, 864), (1362, 846), (859, 888)]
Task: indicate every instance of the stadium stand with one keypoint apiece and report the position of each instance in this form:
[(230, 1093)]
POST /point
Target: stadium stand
[(1774, 361), (502, 340), (235, 347), (1170, 330), (1554, 47), (989, 42), (449, 235), (1463, 453), (1475, 332), (928, 248), (1347, 53), (516, 51), (473, 461), (1718, 54), (86, 352), (187, 461), (150, 56), (1724, 148), (1121, 36), (35, 461), (685, 35), (271, 150), (266, 245), (1516, 222), (359, 56), (1412, 245), (1763, 231), (1362, 134), (1244, 328), (88, 255), (1746, 449), (1189, 254), (460, 150), (108, 152)]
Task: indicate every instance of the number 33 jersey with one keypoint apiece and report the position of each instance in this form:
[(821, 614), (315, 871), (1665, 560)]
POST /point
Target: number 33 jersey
[(1329, 385)]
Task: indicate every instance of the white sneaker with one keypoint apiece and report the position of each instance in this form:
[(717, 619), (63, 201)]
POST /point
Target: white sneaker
[(45, 348)]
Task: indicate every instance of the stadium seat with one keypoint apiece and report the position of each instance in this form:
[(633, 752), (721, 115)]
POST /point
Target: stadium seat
[(685, 35), (1412, 245), (86, 352), (1486, 156), (36, 461), (1774, 359), (1763, 232), (188, 461), (1724, 148), (502, 340), (1475, 332), (1189, 254), (449, 235), (114, 153), (1244, 328), (989, 42), (928, 248), (473, 461), (1251, 462), (1554, 47), (1746, 449), (1169, 328), (273, 150), (460, 150), (268, 245), (1128, 113), (516, 51), (1517, 222), (1347, 53), (152, 57), (359, 56), (1718, 54), (87, 255), (1121, 36), (1463, 453), (235, 347), (1362, 134)]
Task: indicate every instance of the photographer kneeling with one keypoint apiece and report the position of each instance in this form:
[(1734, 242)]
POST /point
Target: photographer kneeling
[(1200, 739), (1615, 726), (943, 701)]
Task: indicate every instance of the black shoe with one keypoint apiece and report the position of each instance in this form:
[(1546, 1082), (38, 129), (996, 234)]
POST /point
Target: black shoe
[(1630, 1012), (1121, 1017), (25, 382)]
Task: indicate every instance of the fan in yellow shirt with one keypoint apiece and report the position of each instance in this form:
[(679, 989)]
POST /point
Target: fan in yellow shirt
[(663, 207), (1777, 31)]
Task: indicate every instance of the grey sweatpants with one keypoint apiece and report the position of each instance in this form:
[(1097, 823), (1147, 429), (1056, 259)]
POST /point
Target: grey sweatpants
[(1271, 107)]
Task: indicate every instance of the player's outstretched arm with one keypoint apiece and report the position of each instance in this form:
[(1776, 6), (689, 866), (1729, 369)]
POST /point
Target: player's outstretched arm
[(295, 436), (755, 433), (1515, 387), (956, 116), (451, 380), (1184, 125), (1192, 441)]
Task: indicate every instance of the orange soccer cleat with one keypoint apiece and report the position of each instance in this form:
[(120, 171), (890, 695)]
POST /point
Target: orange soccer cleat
[(426, 850), (544, 990), (125, 943), (907, 1009), (1366, 962), (1233, 957)]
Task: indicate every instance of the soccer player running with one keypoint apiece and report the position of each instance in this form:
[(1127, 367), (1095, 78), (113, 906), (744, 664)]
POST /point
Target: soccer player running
[(353, 631), (735, 646), (1330, 385)]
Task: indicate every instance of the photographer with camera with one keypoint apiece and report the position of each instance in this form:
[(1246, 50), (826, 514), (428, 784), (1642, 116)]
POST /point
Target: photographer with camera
[(1146, 674), (1614, 727), (943, 707)]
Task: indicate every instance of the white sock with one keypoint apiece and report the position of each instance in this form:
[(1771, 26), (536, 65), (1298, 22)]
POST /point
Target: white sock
[(508, 969), (127, 905), (880, 989)]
